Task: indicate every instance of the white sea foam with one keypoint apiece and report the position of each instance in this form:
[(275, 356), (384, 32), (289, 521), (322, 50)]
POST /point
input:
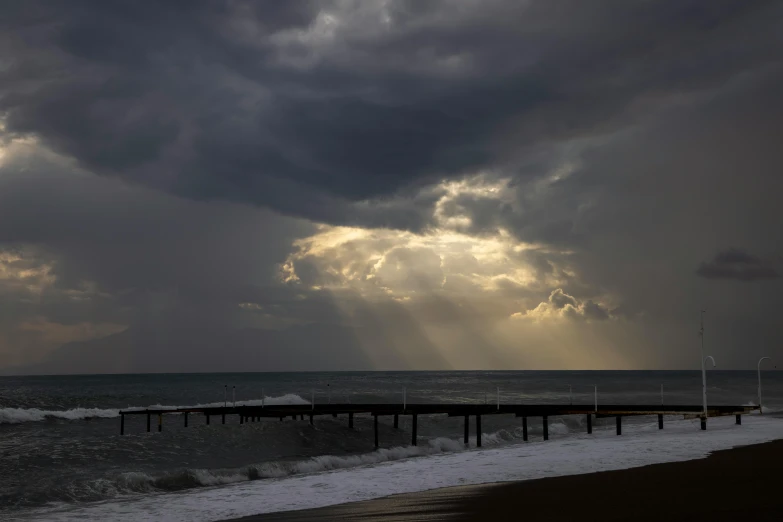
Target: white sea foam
[(374, 476), (137, 482), (21, 415)]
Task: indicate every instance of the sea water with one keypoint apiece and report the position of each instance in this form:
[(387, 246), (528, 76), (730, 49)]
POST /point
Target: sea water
[(62, 457)]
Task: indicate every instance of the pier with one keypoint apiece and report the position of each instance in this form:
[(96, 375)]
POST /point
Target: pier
[(247, 414)]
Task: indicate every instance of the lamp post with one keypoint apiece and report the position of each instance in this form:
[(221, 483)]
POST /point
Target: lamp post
[(761, 411), (704, 371)]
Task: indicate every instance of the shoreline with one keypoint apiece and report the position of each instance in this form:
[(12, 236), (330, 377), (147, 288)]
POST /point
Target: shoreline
[(728, 485)]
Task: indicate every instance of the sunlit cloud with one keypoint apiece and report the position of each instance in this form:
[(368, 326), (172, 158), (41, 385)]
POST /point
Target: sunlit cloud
[(448, 261), (444, 258), (560, 305)]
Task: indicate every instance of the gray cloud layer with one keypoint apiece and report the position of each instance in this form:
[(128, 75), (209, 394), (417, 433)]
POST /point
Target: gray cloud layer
[(181, 147), (276, 105)]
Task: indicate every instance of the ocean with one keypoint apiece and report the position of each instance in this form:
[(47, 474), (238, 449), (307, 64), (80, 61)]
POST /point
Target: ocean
[(62, 456)]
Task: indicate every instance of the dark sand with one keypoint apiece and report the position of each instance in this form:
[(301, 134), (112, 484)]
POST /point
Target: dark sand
[(735, 485)]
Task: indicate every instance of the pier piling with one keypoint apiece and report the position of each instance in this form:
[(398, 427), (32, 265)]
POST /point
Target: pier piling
[(223, 418), (375, 427), (739, 419), (467, 429), (396, 420), (207, 419), (350, 420), (589, 424), (524, 428), (311, 419), (160, 422), (185, 415), (660, 421), (478, 431), (704, 423), (414, 436), (148, 422), (619, 421), (122, 424), (545, 421)]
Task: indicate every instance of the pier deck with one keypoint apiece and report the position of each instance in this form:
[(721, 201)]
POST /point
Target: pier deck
[(253, 413)]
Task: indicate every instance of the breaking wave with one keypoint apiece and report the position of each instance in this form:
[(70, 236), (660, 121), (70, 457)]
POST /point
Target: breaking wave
[(139, 482), (22, 415)]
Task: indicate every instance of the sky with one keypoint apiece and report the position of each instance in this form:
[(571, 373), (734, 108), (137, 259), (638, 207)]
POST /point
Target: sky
[(389, 185)]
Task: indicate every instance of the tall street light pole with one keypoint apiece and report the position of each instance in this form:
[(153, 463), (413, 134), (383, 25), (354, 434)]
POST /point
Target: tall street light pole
[(703, 369), (704, 373), (761, 411)]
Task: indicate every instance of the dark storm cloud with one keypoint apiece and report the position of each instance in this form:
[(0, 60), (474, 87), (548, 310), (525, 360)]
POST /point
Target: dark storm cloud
[(738, 265), (226, 100), (121, 238)]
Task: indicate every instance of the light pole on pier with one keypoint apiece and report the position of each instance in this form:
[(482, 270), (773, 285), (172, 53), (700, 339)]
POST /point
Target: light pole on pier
[(761, 411), (704, 371)]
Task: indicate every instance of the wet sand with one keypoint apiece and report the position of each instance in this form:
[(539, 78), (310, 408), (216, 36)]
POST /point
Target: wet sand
[(734, 485)]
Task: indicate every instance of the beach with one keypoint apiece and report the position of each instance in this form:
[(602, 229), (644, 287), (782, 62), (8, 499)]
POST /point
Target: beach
[(730, 485)]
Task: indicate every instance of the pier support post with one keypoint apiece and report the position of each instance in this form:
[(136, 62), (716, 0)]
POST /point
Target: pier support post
[(704, 423), (301, 417), (467, 430), (122, 424), (241, 419), (186, 419), (207, 419), (223, 418), (281, 419), (350, 420), (619, 421), (160, 422), (311, 419), (293, 417), (739, 419), (545, 420), (660, 421), (148, 422), (589, 424), (334, 415), (478, 431), (375, 427), (396, 420), (524, 429), (414, 435)]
